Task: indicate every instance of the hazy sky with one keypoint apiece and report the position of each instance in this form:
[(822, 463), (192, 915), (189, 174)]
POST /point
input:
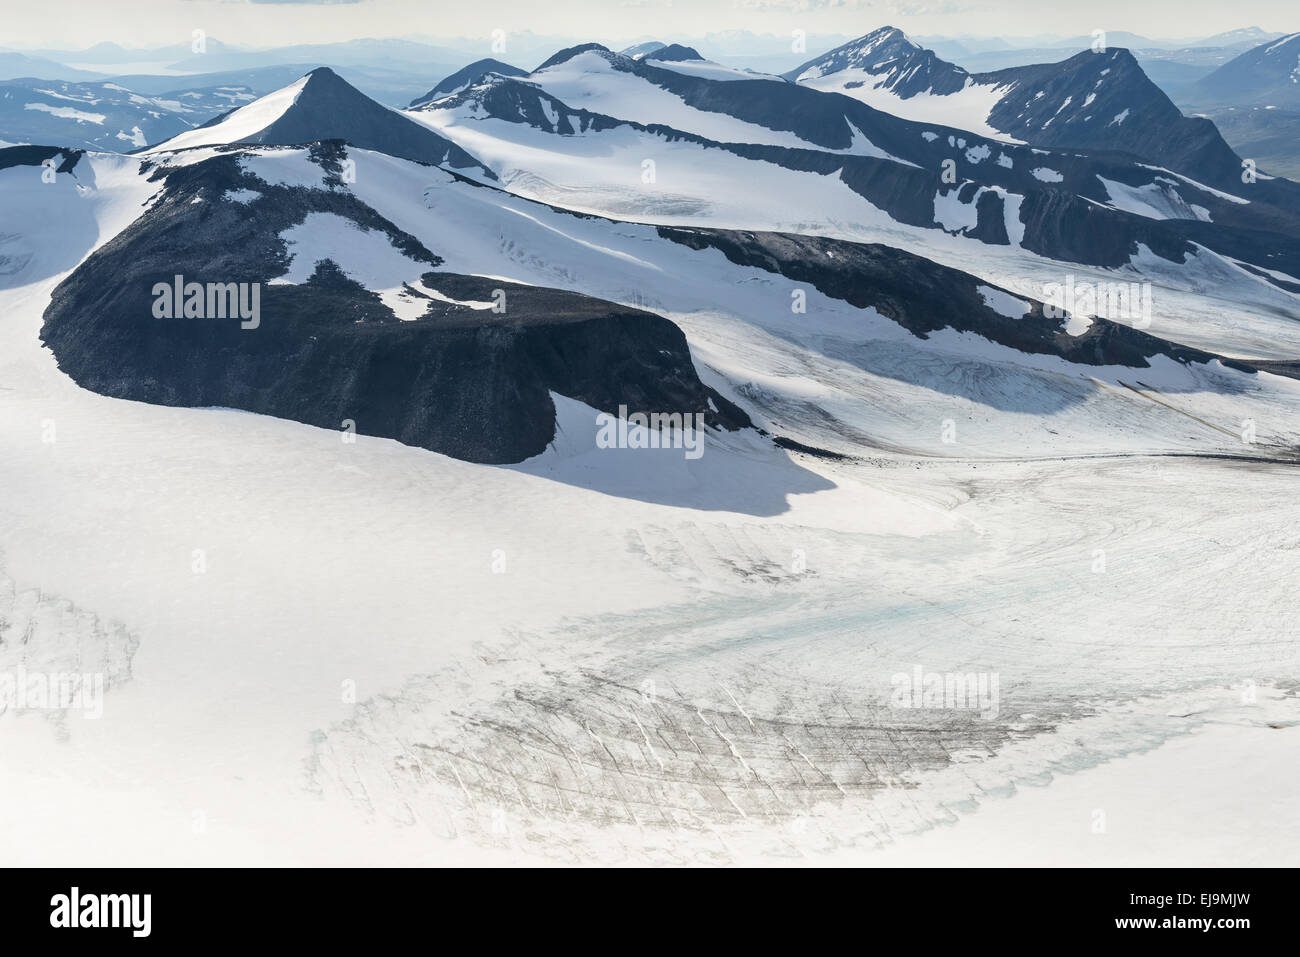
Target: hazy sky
[(261, 23)]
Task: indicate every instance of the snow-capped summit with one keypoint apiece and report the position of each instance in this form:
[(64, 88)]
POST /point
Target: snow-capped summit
[(1105, 101), (639, 51), (674, 52), (466, 77), (589, 65), (584, 126), (1093, 100), (687, 60), (886, 59), (511, 100), (323, 106), (570, 53)]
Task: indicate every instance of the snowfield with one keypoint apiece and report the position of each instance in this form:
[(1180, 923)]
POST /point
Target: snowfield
[(327, 651), (966, 109), (605, 173)]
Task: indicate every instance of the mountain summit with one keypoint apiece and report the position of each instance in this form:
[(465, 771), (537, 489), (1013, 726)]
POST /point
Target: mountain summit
[(1092, 100), (466, 77), (674, 53), (887, 59), (1105, 101), (324, 106)]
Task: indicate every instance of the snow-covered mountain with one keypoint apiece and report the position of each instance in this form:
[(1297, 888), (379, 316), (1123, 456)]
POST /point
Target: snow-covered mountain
[(391, 281), (885, 59), (580, 130), (1104, 101), (639, 50), (322, 106), (554, 586), (328, 435), (467, 76), (409, 351), (687, 60), (1095, 101)]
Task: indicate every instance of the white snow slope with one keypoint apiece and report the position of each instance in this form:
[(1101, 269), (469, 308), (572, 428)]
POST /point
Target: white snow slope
[(240, 124), (338, 653), (967, 109), (630, 175)]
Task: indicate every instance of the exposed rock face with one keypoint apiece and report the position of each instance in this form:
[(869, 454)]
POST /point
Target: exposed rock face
[(36, 155), (518, 102), (463, 381), (897, 63), (674, 53), (924, 297), (1104, 101)]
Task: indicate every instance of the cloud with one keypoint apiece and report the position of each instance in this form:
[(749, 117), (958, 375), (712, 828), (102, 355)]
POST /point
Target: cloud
[(904, 8), (925, 8), (801, 6), (301, 2)]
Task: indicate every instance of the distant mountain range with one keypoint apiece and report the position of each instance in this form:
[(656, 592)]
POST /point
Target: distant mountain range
[(578, 128), (1254, 101), (20, 65), (1091, 100), (106, 116)]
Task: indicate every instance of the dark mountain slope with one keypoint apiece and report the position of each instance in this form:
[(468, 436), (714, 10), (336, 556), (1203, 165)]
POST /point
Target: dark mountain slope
[(674, 53), (467, 76), (1266, 75), (462, 381), (924, 297), (1103, 101), (899, 64), (1098, 101)]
